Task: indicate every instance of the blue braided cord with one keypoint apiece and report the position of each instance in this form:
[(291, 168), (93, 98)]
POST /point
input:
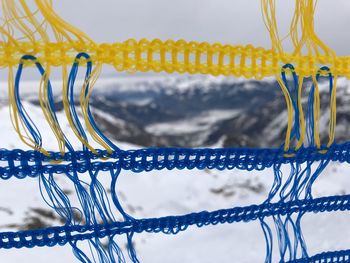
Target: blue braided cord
[(341, 256), (98, 194), (310, 116), (300, 237), (288, 190), (278, 186), (33, 163), (127, 217), (310, 111), (268, 239), (97, 199), (33, 130), (170, 224), (330, 77), (97, 190), (296, 129), (70, 95)]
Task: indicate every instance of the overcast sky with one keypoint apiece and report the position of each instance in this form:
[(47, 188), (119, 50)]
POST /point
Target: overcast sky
[(226, 21)]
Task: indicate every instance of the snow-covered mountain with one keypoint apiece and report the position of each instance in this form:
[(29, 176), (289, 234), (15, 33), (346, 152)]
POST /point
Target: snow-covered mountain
[(181, 111), (194, 111)]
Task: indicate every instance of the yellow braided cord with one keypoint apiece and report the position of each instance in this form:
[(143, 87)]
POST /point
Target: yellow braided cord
[(177, 56), (41, 32)]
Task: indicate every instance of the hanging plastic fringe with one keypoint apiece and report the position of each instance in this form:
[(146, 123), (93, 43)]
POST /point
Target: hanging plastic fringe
[(41, 39)]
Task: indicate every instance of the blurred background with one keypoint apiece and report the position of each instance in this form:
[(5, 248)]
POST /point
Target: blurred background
[(158, 110)]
